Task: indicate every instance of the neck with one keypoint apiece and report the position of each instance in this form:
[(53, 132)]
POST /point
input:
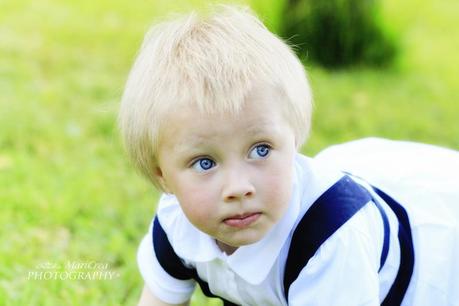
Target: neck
[(228, 249)]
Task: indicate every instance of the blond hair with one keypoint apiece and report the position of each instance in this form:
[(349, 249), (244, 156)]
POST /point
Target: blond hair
[(212, 62)]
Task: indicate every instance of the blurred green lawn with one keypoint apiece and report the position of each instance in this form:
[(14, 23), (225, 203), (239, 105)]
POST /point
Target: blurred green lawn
[(67, 192)]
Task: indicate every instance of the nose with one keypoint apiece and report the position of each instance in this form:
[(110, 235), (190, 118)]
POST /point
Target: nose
[(237, 186)]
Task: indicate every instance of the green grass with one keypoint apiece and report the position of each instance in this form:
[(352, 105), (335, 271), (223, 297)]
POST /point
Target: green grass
[(67, 192)]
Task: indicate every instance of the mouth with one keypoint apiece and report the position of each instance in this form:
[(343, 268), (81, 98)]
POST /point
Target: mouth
[(242, 221)]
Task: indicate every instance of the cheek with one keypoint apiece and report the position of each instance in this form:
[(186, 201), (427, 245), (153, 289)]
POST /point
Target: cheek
[(198, 204), (278, 185)]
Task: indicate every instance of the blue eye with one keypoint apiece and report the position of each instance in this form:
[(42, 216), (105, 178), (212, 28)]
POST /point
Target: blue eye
[(260, 151), (203, 164)]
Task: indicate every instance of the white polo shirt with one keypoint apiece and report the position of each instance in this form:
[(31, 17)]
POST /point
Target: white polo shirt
[(344, 271)]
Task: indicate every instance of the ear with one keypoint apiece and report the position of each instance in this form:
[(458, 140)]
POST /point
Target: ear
[(160, 179)]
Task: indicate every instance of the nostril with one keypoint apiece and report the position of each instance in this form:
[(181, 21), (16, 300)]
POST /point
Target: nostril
[(237, 194)]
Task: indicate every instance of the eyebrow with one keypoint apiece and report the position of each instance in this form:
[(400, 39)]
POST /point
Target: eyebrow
[(197, 141), (202, 141), (257, 130), (262, 128)]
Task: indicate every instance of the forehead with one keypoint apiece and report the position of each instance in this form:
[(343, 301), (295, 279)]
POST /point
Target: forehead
[(259, 114)]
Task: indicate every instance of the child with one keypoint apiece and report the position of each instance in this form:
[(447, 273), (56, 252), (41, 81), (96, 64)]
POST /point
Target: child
[(214, 111)]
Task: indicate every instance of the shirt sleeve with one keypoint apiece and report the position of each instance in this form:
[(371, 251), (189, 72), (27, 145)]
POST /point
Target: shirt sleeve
[(162, 285), (344, 270)]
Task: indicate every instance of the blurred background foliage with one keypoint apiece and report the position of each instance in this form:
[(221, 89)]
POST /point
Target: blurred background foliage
[(339, 33), (67, 192)]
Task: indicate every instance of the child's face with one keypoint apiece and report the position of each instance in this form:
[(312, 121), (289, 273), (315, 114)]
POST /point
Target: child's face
[(231, 174)]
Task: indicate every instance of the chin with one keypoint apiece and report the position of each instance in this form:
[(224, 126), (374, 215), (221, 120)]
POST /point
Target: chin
[(247, 239)]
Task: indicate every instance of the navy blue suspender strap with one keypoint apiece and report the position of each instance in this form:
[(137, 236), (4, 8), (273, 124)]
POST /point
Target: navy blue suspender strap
[(337, 205), (402, 280), (328, 213), (386, 228), (166, 256), (173, 265)]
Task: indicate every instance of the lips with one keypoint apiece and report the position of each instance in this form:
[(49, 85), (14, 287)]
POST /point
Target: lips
[(242, 221)]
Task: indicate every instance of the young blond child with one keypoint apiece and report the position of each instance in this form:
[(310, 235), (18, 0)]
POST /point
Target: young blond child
[(213, 114)]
